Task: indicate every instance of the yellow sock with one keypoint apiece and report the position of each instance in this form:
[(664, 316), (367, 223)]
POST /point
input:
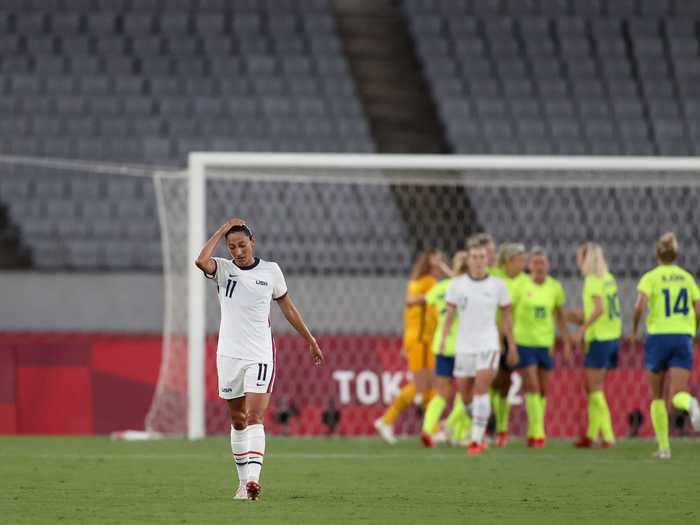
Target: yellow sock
[(432, 414), (541, 434), (461, 427), (502, 413), (593, 416), (532, 407), (456, 412), (659, 419), (493, 397), (606, 427), (401, 402)]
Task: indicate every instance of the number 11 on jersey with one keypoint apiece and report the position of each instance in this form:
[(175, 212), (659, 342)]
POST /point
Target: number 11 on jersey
[(230, 286)]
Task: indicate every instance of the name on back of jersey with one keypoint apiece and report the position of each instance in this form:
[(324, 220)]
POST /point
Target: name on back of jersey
[(673, 277)]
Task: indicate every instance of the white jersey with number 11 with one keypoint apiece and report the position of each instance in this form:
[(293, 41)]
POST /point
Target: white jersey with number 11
[(245, 294)]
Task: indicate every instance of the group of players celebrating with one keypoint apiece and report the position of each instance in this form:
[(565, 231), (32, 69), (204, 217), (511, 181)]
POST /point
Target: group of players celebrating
[(468, 326)]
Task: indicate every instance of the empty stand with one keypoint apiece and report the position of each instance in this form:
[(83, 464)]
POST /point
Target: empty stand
[(148, 81), (562, 77), (174, 62)]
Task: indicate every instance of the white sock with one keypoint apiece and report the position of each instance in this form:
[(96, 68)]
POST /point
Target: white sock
[(482, 411), (240, 448), (256, 454)]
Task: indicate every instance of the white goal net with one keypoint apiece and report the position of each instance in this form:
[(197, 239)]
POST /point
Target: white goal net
[(345, 230)]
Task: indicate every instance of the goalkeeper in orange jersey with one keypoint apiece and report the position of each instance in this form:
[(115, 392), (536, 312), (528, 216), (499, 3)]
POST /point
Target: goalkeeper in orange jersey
[(428, 268)]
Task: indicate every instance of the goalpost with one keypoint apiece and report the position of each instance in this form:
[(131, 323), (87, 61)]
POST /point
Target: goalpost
[(399, 204)]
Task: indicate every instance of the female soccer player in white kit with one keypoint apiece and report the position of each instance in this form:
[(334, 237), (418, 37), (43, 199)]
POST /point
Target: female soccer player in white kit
[(478, 296), (245, 356)]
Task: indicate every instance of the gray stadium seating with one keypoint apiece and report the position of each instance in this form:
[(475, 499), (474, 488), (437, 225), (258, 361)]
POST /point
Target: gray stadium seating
[(640, 57), (100, 60), (146, 82)]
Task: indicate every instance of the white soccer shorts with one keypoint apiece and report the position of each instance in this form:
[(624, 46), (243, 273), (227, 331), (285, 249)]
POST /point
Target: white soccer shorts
[(238, 377), (467, 365)]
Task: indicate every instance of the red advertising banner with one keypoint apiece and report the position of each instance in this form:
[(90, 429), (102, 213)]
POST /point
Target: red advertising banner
[(100, 383)]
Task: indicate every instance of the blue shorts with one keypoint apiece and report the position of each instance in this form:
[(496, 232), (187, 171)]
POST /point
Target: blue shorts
[(664, 351), (602, 354), (444, 365), (531, 355)]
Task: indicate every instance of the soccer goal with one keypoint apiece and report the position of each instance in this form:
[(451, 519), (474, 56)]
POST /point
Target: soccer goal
[(345, 229)]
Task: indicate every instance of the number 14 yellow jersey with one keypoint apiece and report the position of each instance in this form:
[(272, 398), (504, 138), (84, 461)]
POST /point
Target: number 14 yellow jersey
[(672, 293)]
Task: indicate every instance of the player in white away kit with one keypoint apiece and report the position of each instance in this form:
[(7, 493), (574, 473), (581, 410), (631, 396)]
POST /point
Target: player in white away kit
[(478, 296), (245, 356)]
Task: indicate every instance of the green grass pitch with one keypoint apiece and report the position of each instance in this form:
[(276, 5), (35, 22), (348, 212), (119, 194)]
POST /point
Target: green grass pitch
[(95, 480)]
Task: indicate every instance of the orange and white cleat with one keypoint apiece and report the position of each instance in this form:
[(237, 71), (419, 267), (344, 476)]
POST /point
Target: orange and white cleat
[(427, 440), (607, 444), (584, 442), (538, 443), (474, 448), (501, 439), (253, 489)]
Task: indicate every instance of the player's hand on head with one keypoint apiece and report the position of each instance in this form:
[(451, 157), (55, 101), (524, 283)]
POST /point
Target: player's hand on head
[(316, 354)]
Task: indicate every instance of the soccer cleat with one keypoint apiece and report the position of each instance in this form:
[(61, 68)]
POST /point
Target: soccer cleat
[(663, 453), (253, 490), (530, 442), (607, 444), (474, 448), (385, 431), (695, 414), (241, 493), (501, 439), (427, 440), (485, 444), (583, 442), (538, 443)]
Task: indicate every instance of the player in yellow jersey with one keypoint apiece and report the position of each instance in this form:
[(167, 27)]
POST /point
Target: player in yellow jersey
[(428, 268), (673, 299), (600, 329), (540, 306), (510, 264), (444, 362)]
